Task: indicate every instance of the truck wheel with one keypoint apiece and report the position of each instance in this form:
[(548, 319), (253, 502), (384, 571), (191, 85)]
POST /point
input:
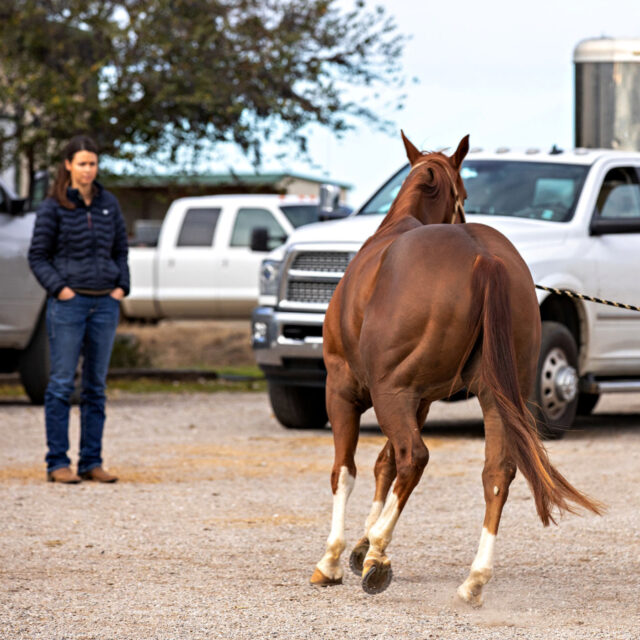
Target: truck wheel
[(556, 392), (34, 363), (298, 407), (587, 403)]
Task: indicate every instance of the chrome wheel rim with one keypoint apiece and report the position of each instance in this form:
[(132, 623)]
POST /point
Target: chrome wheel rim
[(558, 384)]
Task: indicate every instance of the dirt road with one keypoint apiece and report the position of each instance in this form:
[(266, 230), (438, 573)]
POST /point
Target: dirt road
[(220, 516)]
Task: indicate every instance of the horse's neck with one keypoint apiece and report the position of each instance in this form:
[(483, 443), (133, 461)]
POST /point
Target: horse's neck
[(408, 209)]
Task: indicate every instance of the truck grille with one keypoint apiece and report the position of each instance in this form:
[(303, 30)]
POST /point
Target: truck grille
[(313, 292), (312, 277), (322, 261)]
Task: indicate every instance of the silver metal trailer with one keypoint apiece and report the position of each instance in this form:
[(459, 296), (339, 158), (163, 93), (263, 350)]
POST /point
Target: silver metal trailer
[(607, 93)]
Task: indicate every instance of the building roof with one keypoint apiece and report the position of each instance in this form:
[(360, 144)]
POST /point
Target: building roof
[(214, 179)]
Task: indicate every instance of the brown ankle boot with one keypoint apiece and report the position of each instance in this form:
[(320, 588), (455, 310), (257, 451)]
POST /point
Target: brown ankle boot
[(99, 475), (64, 475)]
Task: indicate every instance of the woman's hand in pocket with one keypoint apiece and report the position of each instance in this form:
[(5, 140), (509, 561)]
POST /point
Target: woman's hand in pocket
[(66, 293), (117, 293)]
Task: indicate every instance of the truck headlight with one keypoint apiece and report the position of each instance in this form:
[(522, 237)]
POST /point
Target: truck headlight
[(269, 277), (260, 332)]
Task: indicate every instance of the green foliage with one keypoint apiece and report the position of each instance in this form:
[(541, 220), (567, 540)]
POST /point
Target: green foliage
[(127, 353), (146, 385), (156, 76), (15, 391)]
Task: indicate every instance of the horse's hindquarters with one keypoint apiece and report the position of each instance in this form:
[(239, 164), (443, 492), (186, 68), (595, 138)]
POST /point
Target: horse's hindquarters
[(420, 320)]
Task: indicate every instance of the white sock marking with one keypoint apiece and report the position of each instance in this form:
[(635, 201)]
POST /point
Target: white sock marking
[(481, 570), (330, 563), (484, 556), (374, 514), (381, 532)]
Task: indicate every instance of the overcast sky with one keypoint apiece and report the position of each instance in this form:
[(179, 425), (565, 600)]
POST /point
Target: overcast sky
[(500, 70)]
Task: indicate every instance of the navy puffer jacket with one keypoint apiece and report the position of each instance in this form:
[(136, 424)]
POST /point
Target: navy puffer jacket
[(81, 248)]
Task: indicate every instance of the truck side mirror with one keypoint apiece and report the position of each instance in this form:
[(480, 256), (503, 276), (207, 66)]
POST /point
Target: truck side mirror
[(329, 200), (601, 227), (260, 239), (17, 206)]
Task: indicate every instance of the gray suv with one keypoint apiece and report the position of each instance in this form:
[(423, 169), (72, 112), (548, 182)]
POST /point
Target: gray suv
[(23, 335)]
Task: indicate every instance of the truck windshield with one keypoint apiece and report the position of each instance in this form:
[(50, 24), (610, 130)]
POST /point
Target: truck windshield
[(300, 214), (384, 197), (538, 190)]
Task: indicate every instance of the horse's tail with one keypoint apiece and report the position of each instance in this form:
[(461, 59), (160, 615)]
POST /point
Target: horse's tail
[(498, 371)]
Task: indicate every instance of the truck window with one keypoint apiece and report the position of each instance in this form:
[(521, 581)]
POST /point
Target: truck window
[(249, 219), (619, 196), (38, 190), (198, 227)]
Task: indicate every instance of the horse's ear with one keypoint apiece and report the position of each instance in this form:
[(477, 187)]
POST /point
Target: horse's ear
[(461, 152), (412, 153)]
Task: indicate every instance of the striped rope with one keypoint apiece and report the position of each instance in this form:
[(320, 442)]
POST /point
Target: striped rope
[(580, 296)]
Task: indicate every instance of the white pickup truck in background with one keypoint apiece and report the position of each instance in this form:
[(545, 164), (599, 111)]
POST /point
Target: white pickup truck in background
[(204, 265), (574, 217)]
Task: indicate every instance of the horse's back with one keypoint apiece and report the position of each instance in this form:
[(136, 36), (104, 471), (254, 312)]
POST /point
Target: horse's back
[(441, 258), (449, 244), (430, 267)]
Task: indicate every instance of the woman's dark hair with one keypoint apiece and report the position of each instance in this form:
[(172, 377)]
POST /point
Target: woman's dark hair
[(63, 177)]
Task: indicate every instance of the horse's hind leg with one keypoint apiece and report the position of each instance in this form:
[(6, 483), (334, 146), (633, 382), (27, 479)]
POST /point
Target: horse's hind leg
[(398, 420), (345, 423), (497, 475), (385, 473)]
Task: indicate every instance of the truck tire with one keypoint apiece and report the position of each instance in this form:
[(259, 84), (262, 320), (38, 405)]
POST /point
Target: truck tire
[(34, 364), (298, 407), (555, 396)]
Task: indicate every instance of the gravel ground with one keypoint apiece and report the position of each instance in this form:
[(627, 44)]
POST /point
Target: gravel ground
[(220, 515)]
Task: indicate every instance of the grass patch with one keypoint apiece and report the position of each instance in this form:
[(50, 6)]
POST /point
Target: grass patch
[(252, 371), (11, 391), (148, 385)]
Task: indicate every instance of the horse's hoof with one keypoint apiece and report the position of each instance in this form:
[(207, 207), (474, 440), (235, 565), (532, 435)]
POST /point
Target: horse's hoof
[(471, 597), (359, 553), (377, 578), (318, 579)]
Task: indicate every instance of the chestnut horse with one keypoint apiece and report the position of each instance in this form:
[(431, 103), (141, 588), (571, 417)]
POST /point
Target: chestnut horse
[(431, 305)]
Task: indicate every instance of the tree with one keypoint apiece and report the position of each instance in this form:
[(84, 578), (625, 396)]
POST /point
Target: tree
[(152, 76)]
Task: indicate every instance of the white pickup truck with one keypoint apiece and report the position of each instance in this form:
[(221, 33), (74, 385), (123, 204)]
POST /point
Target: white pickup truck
[(574, 217), (204, 264)]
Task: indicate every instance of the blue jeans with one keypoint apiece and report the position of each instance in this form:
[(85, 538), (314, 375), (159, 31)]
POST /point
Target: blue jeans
[(87, 325)]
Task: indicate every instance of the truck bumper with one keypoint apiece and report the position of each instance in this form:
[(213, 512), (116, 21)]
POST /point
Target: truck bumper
[(288, 346)]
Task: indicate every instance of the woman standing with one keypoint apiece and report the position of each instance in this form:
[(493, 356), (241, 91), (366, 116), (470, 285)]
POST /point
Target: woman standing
[(78, 254)]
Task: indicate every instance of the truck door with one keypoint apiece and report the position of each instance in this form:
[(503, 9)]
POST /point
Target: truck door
[(21, 297), (187, 274), (239, 266), (616, 230)]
